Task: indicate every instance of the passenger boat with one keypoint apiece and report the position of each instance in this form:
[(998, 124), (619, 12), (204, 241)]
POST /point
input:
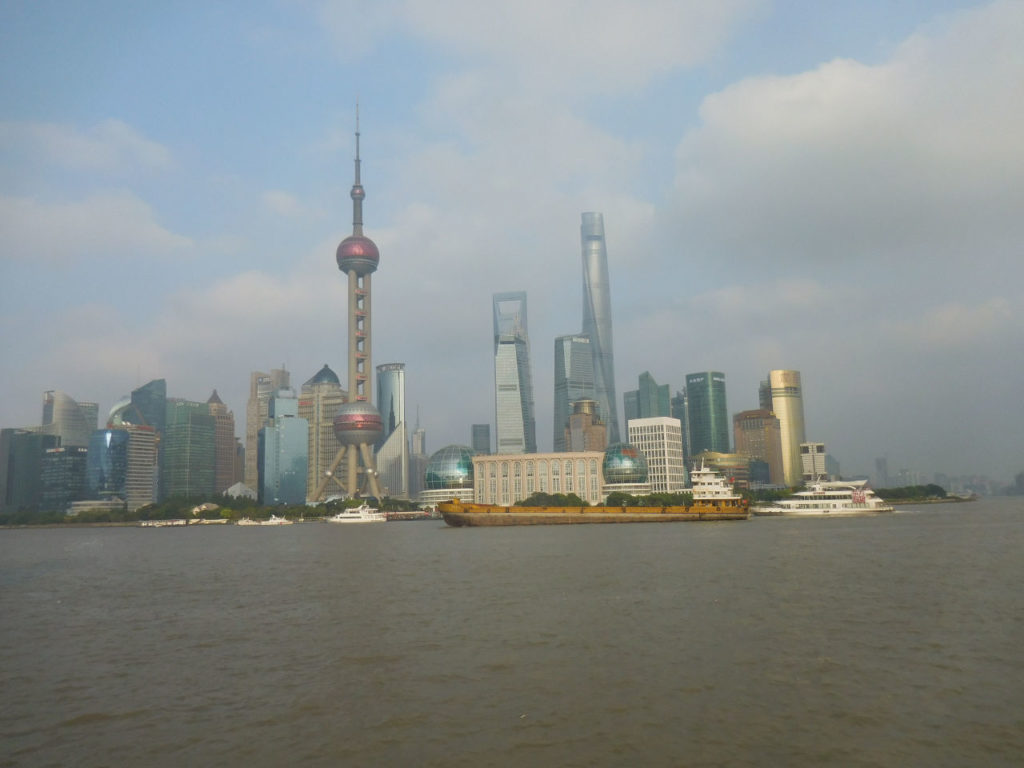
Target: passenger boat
[(708, 485), (834, 497), (272, 520), (364, 513)]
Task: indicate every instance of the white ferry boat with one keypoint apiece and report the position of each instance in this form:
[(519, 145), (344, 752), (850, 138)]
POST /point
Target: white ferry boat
[(834, 497), (361, 514), (708, 485)]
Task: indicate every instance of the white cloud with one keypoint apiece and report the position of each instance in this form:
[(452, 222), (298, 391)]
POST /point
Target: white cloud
[(110, 146), (103, 225), (851, 161), (956, 325), (284, 204)]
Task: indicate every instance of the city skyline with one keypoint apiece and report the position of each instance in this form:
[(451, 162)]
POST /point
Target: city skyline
[(830, 190)]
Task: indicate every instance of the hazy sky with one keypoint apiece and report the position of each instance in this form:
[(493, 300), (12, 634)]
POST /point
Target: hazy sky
[(836, 188)]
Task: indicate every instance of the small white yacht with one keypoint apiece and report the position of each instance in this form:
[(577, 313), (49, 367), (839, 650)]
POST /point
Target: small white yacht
[(272, 520), (364, 513), (833, 497)]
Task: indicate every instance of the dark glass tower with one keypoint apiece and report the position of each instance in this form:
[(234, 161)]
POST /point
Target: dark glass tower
[(708, 414)]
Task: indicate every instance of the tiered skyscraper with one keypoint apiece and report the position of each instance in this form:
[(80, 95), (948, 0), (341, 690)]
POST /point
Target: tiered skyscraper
[(513, 383), (357, 425), (787, 403), (574, 380), (597, 318)]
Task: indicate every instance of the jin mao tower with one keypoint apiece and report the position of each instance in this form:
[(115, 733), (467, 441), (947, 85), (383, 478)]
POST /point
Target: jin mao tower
[(357, 424)]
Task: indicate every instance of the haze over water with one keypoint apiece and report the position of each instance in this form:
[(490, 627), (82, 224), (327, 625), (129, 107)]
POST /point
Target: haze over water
[(885, 641)]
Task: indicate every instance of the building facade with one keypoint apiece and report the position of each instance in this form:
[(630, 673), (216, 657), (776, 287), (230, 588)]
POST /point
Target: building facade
[(261, 387), (63, 477), (189, 453), (21, 460), (813, 463), (71, 421), (393, 454), (648, 400), (480, 439), (708, 415), (757, 436), (283, 452), (574, 380), (224, 451), (585, 430), (507, 479), (788, 406), (660, 439), (321, 397), (516, 429), (597, 318)]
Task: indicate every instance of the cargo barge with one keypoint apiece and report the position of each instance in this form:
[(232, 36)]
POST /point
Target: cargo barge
[(459, 514)]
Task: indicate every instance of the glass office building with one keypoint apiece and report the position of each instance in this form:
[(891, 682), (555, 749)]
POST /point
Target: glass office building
[(513, 382), (708, 416), (597, 318), (574, 380)]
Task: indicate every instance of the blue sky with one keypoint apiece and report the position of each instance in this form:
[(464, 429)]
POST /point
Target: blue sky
[(832, 187)]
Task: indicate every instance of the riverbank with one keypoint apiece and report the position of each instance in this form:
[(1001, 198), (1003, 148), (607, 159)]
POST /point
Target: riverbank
[(946, 500)]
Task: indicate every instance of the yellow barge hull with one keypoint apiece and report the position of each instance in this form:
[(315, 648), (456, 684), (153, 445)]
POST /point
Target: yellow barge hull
[(459, 515)]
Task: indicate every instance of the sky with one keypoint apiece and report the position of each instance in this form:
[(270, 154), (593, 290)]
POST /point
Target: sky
[(836, 188)]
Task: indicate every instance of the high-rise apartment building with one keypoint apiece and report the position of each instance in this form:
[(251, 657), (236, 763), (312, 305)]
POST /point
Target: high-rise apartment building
[(513, 381), (707, 413), (189, 464), (261, 387), (319, 401), (648, 400), (574, 380), (224, 452), (586, 430), (283, 452), (357, 424), (480, 439), (788, 407), (597, 318), (660, 440), (757, 436), (393, 453)]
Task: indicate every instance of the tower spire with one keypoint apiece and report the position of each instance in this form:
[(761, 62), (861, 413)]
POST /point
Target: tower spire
[(358, 193)]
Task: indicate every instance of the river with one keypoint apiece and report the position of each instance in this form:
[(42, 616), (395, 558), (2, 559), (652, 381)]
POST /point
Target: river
[(895, 640)]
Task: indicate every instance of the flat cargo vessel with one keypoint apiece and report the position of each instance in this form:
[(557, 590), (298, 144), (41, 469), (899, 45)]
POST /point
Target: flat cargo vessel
[(459, 514)]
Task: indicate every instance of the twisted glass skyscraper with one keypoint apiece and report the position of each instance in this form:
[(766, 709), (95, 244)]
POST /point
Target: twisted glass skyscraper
[(597, 318), (513, 383)]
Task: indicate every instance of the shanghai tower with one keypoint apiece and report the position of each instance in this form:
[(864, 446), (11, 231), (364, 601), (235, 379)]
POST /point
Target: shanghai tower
[(357, 424), (597, 319)]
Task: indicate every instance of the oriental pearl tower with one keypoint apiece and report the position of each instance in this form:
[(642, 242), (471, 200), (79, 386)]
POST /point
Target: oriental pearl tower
[(357, 424)]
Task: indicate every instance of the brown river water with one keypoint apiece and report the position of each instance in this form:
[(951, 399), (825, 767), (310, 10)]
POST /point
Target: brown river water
[(895, 640)]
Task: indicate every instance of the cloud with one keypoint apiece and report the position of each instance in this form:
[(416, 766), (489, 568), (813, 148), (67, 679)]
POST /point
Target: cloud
[(956, 325), (850, 161), (111, 146), (585, 46), (284, 204), (103, 225)]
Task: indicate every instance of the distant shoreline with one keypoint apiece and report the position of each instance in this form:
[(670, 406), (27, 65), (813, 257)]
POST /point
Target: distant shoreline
[(947, 500)]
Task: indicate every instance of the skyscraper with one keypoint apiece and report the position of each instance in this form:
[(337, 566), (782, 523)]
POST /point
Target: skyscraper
[(188, 449), (660, 439), (63, 477), (319, 401), (71, 421), (121, 464), (585, 430), (21, 461), (648, 400), (393, 454), (283, 452), (597, 318), (481, 439), (357, 424), (223, 444), (574, 380), (513, 383), (757, 436), (707, 413), (677, 406), (788, 405), (261, 387)]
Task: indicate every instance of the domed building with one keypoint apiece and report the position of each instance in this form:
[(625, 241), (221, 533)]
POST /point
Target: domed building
[(625, 469), (449, 474)]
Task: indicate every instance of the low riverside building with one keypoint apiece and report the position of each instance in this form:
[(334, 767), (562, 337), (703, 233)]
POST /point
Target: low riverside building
[(505, 479)]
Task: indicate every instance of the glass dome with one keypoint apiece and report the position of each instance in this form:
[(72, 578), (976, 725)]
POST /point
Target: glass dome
[(450, 467), (624, 463)]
